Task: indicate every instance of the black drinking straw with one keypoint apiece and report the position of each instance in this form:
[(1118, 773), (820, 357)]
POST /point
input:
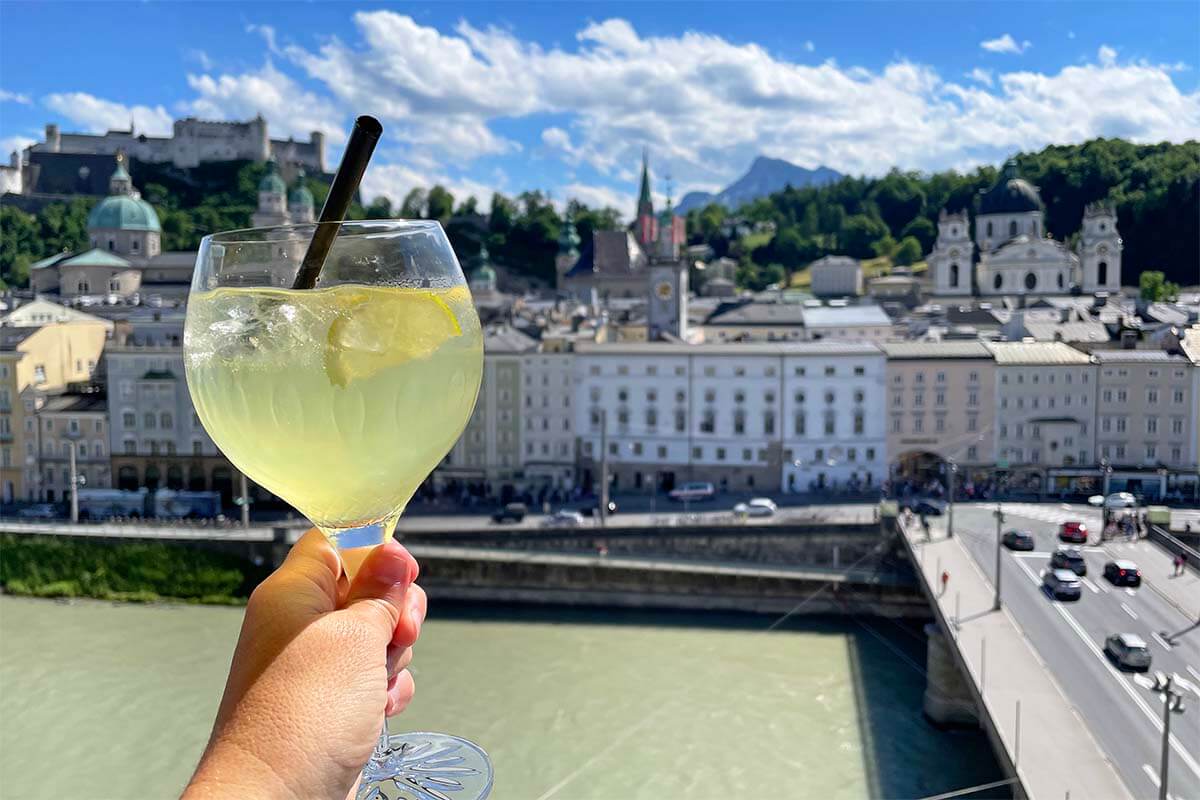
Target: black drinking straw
[(341, 193)]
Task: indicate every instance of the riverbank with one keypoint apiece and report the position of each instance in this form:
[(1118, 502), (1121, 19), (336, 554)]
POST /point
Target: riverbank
[(134, 571)]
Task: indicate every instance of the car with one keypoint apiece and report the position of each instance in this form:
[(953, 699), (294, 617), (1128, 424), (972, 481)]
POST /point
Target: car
[(1073, 531), (1128, 651), (757, 507), (513, 512), (1018, 540), (1062, 584), (1123, 573), (691, 492), (38, 511), (1120, 500), (1069, 558), (563, 518), (930, 507)]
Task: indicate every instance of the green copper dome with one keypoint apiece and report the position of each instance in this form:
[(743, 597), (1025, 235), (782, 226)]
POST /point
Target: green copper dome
[(300, 193), (124, 213), (482, 272), (271, 182), (568, 236)]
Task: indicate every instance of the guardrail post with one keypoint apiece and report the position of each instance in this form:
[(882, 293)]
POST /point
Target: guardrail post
[(1017, 742)]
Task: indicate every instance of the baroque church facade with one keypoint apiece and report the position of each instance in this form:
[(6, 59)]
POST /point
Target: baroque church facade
[(1010, 253)]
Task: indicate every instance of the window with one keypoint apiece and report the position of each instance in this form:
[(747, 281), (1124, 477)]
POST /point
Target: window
[(165, 421), (830, 423), (1120, 424), (622, 416), (829, 398), (919, 399), (859, 423), (197, 447), (1152, 396), (128, 420), (679, 397), (830, 372), (622, 395), (920, 377), (747, 454), (651, 418), (1176, 426), (680, 370), (710, 372), (651, 369), (662, 451), (1119, 451), (769, 423), (708, 422), (800, 423), (149, 420), (769, 372), (697, 452), (594, 369), (870, 454), (739, 397), (720, 454), (1177, 396), (897, 424), (998, 281), (799, 372), (39, 373), (897, 399), (637, 448), (594, 419), (1106, 395), (941, 377), (918, 424), (651, 396), (1020, 431), (1122, 397), (860, 371), (769, 398), (954, 276), (1106, 424), (1151, 452), (1176, 455), (680, 420), (613, 448), (739, 421), (972, 423), (1152, 425), (939, 398), (623, 369), (710, 396), (939, 424), (972, 398)]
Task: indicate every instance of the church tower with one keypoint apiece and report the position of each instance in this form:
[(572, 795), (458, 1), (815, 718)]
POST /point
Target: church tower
[(647, 224), (951, 261), (568, 248), (272, 199), (300, 200), (1100, 249)]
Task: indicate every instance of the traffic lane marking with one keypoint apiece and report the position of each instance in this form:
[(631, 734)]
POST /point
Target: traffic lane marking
[(1090, 585), (1160, 640), (1186, 756), (1128, 611), (1195, 674), (1153, 776)]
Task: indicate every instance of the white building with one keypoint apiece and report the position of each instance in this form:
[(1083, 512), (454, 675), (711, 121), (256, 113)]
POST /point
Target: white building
[(548, 417), (1045, 411), (836, 276), (1015, 257), (757, 416)]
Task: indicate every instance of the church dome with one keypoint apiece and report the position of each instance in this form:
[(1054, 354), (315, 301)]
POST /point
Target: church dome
[(300, 193), (124, 212), (1011, 194), (482, 272), (271, 182)]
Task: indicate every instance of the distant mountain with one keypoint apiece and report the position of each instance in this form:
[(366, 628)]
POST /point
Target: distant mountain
[(765, 176)]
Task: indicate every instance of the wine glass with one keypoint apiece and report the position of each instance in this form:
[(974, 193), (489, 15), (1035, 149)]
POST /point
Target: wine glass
[(341, 399)]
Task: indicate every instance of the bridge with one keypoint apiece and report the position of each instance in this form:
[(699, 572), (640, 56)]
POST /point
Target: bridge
[(1063, 719)]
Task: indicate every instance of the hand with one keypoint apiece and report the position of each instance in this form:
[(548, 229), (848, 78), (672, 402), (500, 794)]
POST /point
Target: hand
[(320, 661)]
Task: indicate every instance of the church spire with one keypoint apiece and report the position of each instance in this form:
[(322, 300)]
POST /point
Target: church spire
[(645, 204)]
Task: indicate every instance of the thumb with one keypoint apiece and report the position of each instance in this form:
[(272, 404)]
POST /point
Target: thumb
[(378, 595)]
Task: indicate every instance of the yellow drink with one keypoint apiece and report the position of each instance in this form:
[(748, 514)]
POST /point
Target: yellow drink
[(339, 400)]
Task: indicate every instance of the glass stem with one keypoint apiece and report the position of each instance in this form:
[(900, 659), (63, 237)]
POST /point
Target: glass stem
[(381, 745)]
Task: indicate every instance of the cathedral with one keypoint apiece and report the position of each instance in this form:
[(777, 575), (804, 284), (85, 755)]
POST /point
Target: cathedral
[(1011, 254)]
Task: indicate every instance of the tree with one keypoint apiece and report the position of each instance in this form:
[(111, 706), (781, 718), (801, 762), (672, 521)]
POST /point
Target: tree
[(859, 235), (908, 251), (923, 230), (1154, 288), (413, 206), (380, 208), (439, 204)]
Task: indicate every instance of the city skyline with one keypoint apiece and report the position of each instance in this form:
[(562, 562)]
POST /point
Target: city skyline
[(564, 99)]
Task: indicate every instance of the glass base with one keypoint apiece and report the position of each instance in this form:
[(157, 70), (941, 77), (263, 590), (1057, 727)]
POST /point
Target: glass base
[(365, 536), (426, 766)]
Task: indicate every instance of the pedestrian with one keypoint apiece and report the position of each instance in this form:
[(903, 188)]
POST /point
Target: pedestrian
[(1182, 563), (945, 581)]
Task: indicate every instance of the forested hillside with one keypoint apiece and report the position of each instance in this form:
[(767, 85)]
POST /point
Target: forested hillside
[(1155, 188)]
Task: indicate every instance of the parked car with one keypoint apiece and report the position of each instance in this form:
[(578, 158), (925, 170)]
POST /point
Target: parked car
[(563, 518), (1123, 573), (757, 507), (1069, 558), (1018, 540), (693, 491), (1062, 584), (1128, 651), (1120, 500), (38, 511), (1073, 531), (929, 506), (513, 512)]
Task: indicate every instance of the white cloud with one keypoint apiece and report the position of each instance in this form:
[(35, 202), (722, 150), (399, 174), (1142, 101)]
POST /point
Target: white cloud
[(97, 115), (809, 46), (14, 97), (289, 108), (983, 76), (395, 180), (1070, 34), (13, 144), (1005, 44), (267, 32), (201, 58), (1107, 55), (595, 196)]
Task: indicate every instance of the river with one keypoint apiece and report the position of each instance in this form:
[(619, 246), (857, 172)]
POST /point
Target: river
[(115, 701)]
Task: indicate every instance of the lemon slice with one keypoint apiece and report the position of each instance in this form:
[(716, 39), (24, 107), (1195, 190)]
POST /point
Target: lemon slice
[(380, 328)]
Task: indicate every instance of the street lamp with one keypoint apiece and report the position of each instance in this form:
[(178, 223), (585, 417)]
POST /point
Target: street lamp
[(999, 523), (1167, 687), (950, 473)]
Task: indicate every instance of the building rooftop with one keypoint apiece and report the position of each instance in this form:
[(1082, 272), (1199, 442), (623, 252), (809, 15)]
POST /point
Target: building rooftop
[(1075, 331), (95, 258), (1137, 356), (832, 317), (507, 339), (920, 350), (1036, 353), (822, 348), (756, 313), (610, 253), (74, 403), (972, 315)]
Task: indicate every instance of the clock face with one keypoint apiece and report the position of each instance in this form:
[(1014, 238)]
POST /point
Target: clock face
[(664, 291)]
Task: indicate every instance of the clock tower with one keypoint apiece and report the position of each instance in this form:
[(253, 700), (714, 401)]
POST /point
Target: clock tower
[(666, 307)]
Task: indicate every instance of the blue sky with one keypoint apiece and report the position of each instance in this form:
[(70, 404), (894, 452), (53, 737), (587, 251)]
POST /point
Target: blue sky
[(563, 97)]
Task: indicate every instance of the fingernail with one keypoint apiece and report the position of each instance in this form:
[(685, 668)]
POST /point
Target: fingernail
[(415, 612)]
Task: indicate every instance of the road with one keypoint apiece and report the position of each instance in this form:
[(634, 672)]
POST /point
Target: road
[(1069, 638)]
